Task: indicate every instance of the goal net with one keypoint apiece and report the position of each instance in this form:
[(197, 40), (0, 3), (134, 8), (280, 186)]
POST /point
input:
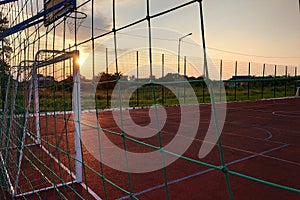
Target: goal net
[(39, 96)]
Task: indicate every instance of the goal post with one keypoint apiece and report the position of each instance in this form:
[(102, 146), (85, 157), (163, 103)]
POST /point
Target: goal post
[(77, 116)]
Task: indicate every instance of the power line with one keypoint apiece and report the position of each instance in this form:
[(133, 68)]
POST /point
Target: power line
[(252, 55)]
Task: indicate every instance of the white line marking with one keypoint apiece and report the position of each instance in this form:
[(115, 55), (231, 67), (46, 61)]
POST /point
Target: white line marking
[(202, 172), (91, 192), (43, 189), (7, 175)]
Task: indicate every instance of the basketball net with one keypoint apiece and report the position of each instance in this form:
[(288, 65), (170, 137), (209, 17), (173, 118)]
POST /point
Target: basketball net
[(75, 20)]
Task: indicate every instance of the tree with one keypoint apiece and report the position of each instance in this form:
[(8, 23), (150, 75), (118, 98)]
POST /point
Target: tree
[(4, 58), (107, 81), (4, 46)]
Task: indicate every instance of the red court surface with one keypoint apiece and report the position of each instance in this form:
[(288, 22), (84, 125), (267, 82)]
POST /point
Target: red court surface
[(259, 139)]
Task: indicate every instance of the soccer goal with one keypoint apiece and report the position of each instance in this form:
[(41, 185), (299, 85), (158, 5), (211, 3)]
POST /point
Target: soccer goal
[(42, 99)]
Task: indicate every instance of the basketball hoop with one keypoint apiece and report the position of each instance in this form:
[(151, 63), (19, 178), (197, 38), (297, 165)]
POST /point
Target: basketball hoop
[(75, 20)]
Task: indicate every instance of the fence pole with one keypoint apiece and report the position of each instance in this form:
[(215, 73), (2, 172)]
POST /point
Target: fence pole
[(274, 82), (162, 75), (295, 76), (221, 69), (249, 72), (235, 74), (262, 85), (184, 73), (137, 78), (203, 90), (285, 82), (106, 58)]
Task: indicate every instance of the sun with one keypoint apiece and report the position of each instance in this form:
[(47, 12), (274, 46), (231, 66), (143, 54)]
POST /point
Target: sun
[(80, 61)]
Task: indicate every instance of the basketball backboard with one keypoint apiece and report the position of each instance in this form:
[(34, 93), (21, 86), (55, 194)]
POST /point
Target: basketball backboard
[(6, 1), (53, 10), (61, 8)]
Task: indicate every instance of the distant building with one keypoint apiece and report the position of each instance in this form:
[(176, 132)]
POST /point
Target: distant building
[(144, 80), (45, 81), (124, 77), (241, 77), (240, 80)]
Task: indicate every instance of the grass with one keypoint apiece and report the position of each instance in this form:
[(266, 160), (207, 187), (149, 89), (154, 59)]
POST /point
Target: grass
[(166, 97), (58, 97)]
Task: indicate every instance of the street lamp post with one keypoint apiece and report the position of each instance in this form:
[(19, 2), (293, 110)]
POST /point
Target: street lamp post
[(179, 41)]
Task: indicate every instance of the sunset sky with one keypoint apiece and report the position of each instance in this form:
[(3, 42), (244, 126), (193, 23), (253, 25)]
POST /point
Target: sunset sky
[(261, 31), (269, 28)]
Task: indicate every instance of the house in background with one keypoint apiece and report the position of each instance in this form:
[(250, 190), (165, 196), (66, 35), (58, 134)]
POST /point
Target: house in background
[(45, 81), (238, 80)]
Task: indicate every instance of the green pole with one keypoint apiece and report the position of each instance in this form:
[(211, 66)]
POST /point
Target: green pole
[(2, 78)]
